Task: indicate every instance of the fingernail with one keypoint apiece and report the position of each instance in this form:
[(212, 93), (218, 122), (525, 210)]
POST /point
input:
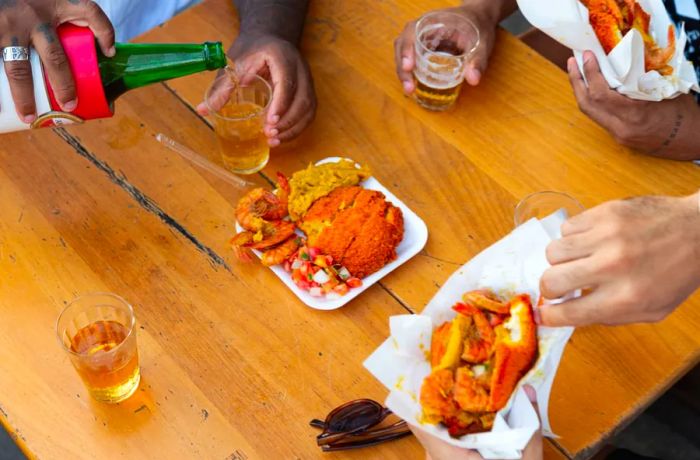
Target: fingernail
[(407, 86), (587, 57), (70, 105), (406, 63), (112, 51), (29, 119), (274, 132), (274, 142), (537, 315), (274, 119), (473, 76), (531, 393), (570, 64)]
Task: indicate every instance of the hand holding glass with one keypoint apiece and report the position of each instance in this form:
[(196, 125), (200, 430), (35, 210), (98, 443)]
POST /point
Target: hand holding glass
[(444, 42), (239, 105)]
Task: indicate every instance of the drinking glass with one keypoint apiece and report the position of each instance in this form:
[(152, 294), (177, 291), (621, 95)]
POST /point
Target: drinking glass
[(238, 105), (444, 42), (97, 332), (542, 204)]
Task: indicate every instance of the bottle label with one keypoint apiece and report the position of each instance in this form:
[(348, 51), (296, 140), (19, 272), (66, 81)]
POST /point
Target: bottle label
[(9, 120), (56, 119)]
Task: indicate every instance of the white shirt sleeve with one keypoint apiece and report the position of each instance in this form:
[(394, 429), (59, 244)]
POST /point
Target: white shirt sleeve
[(134, 17)]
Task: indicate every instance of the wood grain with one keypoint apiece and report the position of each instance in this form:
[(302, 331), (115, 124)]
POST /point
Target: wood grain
[(234, 366), (230, 358), (464, 171)]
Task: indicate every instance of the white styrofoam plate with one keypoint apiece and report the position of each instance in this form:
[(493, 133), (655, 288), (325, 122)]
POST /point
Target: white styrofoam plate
[(414, 239)]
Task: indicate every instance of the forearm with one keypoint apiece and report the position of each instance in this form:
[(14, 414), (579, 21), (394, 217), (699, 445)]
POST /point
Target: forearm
[(281, 18), (693, 234), (690, 146), (681, 138), (494, 10)]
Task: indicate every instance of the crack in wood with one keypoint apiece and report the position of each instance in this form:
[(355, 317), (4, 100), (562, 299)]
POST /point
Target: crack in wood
[(188, 106), (396, 298), (424, 253), (141, 198)]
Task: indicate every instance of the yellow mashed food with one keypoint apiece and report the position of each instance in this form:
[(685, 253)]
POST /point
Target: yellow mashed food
[(315, 182)]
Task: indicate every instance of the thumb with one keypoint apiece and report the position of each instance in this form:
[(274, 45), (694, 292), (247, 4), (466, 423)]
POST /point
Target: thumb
[(476, 66), (532, 396), (534, 449), (217, 97)]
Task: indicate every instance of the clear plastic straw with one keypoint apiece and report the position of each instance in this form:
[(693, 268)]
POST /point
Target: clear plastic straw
[(202, 162)]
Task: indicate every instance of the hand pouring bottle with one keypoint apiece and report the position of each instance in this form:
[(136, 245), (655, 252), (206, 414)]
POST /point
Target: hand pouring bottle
[(100, 80)]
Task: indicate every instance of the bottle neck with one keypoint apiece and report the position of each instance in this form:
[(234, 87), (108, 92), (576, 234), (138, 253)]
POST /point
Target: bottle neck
[(136, 65)]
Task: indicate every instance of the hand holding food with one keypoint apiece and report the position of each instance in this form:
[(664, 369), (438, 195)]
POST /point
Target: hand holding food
[(639, 49), (477, 360), (640, 259), (613, 19), (667, 128), (438, 449)]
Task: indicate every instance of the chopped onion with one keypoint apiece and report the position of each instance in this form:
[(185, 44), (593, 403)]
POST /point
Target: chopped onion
[(316, 292), (321, 277), (297, 264), (478, 370), (344, 273)]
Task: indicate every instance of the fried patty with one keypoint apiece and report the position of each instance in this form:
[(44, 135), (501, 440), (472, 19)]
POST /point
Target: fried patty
[(357, 227)]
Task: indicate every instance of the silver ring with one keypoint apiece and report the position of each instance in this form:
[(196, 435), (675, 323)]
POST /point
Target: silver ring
[(15, 53)]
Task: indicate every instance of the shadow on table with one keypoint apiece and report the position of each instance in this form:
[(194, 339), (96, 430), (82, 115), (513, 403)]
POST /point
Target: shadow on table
[(124, 417), (668, 430)]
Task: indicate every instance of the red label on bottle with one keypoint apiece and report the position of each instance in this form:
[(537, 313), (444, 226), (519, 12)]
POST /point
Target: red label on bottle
[(56, 119), (79, 45)]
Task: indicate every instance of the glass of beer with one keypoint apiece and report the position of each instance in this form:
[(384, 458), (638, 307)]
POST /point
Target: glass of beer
[(541, 204), (444, 42), (238, 105), (97, 332)]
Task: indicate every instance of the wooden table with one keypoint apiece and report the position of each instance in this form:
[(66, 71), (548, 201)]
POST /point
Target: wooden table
[(234, 365)]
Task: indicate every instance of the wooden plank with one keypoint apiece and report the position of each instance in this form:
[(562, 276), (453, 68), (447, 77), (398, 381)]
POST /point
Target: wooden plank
[(552, 453), (229, 356), (463, 172)]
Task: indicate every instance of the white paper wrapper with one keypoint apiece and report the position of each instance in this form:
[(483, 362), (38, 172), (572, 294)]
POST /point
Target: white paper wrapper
[(566, 21), (512, 265)]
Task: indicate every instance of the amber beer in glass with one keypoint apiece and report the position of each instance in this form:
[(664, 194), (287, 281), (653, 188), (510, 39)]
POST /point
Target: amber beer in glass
[(444, 42), (97, 332), (238, 106)]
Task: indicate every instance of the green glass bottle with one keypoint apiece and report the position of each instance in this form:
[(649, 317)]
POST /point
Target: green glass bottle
[(100, 80), (136, 65)]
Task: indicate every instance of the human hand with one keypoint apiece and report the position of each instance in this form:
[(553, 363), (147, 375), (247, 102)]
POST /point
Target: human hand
[(667, 128), (33, 23), (437, 449), (293, 105), (640, 258), (405, 51)]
